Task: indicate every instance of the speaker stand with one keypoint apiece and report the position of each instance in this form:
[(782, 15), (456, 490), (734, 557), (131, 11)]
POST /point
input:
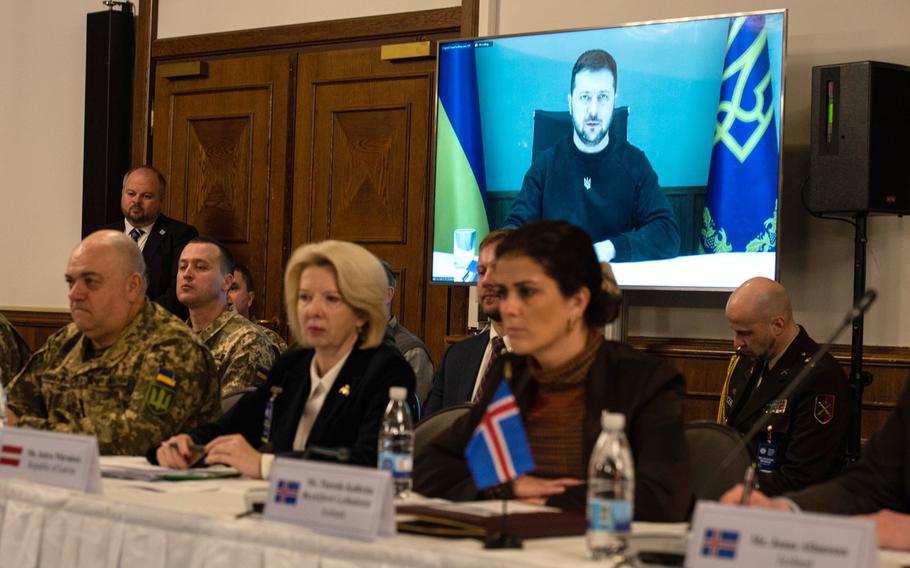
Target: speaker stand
[(859, 379)]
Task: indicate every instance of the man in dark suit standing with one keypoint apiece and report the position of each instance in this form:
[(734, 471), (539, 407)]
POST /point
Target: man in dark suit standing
[(160, 238), (460, 376)]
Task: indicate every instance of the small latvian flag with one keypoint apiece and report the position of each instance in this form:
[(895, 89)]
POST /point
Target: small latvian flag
[(10, 455)]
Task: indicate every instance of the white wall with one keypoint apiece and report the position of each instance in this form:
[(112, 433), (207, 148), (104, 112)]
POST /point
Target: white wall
[(817, 256), (42, 55), (41, 106)]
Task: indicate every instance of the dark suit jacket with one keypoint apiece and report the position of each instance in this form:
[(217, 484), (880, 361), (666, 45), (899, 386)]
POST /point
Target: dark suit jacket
[(879, 480), (350, 416), (648, 390), (455, 377), (810, 441), (162, 255)]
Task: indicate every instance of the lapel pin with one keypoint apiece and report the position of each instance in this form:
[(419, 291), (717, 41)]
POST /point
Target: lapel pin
[(345, 390), (161, 232)]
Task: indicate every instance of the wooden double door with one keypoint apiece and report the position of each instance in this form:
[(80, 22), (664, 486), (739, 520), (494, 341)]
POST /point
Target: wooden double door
[(268, 152)]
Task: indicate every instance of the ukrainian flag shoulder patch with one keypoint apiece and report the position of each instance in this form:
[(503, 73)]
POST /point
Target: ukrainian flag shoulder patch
[(166, 377), (160, 395)]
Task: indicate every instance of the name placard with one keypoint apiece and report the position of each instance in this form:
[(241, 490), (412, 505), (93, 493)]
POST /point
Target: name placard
[(51, 458), (342, 500), (728, 536)]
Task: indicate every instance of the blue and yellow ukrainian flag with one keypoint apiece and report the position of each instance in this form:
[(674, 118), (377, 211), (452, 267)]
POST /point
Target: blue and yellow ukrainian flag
[(460, 178), (740, 214)]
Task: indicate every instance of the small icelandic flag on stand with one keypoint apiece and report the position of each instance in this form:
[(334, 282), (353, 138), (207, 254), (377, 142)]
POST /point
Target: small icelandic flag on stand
[(498, 451)]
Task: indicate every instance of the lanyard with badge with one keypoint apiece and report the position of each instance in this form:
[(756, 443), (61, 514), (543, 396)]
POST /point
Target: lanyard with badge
[(269, 412)]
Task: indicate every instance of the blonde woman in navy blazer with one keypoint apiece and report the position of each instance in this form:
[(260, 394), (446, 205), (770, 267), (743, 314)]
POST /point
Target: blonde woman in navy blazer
[(335, 298)]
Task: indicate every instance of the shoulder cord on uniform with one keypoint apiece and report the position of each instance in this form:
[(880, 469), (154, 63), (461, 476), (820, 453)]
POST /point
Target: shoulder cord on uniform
[(722, 406)]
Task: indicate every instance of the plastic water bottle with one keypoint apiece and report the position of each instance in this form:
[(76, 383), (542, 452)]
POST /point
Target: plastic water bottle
[(396, 440), (611, 489)]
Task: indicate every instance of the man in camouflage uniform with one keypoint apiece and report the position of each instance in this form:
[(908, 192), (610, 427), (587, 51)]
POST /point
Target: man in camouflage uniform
[(14, 352), (242, 351), (241, 296), (125, 371)]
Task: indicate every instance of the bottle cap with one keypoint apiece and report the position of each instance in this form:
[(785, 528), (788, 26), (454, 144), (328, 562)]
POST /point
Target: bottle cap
[(612, 420), (398, 393)]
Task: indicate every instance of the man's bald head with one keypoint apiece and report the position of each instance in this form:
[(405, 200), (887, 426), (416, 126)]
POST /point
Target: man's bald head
[(106, 278), (761, 317), (121, 247), (761, 298)]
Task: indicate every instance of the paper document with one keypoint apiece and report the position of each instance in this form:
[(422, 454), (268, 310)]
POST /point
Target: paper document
[(137, 467), (494, 508)]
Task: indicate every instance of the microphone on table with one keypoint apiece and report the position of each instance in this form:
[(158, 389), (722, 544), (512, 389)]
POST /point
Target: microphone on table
[(337, 454)]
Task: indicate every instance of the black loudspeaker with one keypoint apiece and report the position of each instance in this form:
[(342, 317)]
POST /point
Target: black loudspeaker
[(109, 54), (860, 139)]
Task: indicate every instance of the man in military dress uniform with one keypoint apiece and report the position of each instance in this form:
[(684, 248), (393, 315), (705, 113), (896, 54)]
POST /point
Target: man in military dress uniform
[(805, 439), (242, 351), (125, 371), (14, 352)]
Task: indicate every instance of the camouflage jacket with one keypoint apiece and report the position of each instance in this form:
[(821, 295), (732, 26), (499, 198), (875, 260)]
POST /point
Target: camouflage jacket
[(155, 381), (243, 352), (13, 351), (276, 339)]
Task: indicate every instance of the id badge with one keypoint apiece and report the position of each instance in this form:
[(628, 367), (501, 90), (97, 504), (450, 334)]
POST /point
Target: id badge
[(766, 457)]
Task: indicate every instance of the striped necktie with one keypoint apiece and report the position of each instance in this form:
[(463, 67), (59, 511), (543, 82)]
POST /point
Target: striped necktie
[(498, 347), (135, 234)]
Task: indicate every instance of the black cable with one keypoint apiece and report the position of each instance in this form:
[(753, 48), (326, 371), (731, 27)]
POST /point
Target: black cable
[(802, 196)]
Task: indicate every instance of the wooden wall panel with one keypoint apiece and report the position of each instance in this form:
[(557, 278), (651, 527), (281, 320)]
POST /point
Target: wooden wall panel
[(36, 326), (704, 365), (361, 163), (220, 140), (218, 172), (368, 175)]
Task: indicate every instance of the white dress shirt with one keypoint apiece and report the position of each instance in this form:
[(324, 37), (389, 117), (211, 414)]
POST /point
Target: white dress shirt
[(143, 237), (319, 389)]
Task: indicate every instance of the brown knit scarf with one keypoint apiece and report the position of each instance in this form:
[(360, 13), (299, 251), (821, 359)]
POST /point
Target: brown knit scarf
[(555, 420)]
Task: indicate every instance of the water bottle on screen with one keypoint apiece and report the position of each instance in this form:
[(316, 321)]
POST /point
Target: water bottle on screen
[(396, 440), (611, 489)]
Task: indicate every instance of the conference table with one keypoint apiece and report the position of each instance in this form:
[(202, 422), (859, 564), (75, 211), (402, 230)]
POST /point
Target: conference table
[(195, 524)]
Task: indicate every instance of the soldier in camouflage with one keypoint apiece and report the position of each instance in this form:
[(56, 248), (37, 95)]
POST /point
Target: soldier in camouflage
[(125, 371), (242, 351), (241, 296), (14, 352)]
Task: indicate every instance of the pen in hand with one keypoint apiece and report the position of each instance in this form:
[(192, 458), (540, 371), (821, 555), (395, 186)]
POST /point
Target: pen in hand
[(195, 448), (748, 485)]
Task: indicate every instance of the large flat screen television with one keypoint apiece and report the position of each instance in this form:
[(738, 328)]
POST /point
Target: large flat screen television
[(661, 139)]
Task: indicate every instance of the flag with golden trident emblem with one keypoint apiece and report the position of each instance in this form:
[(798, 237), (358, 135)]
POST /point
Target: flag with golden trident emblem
[(740, 214)]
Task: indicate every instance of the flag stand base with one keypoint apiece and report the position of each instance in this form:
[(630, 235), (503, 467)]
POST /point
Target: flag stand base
[(499, 540), (502, 539)]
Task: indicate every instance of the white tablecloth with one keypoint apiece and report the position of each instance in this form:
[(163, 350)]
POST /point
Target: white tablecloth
[(49, 527)]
